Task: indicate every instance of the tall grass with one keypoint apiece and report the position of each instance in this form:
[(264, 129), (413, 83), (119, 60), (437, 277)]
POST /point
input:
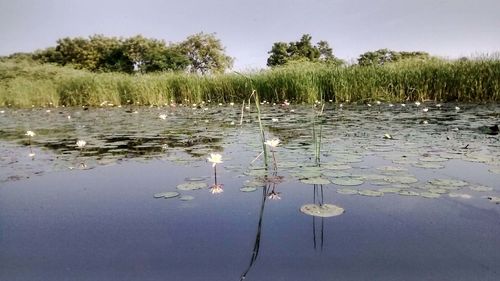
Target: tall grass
[(25, 84)]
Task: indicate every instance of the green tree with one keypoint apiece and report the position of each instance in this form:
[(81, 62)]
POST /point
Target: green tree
[(384, 56), (206, 54), (303, 50)]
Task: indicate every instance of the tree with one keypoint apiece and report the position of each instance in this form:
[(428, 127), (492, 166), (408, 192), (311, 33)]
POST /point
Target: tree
[(303, 50), (384, 56), (206, 54)]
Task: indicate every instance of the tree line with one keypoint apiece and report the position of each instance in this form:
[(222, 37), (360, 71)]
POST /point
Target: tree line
[(199, 53)]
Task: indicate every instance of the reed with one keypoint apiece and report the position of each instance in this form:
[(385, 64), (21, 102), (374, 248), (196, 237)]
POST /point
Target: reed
[(26, 84)]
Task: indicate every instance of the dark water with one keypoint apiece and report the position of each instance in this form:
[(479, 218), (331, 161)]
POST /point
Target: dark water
[(72, 214)]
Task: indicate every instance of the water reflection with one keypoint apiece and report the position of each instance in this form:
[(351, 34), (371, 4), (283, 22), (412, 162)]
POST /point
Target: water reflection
[(269, 191)]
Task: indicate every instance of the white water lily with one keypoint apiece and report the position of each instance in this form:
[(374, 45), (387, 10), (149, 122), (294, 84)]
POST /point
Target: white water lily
[(215, 158), (425, 109), (438, 105), (457, 108), (30, 133), (32, 155), (378, 102), (273, 142), (417, 103), (216, 189), (81, 143), (275, 119), (163, 116), (403, 105)]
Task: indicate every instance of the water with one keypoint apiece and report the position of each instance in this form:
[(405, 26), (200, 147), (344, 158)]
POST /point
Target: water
[(90, 214)]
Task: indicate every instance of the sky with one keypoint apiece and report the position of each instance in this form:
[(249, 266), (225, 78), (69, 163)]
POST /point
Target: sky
[(248, 29)]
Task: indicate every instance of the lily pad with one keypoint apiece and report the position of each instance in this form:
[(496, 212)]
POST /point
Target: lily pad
[(448, 183), (186, 198), (430, 195), (401, 179), (248, 189), (408, 193), (494, 199), (428, 165), (315, 180), (349, 181), (390, 190), (324, 211), (368, 192), (347, 191), (167, 194), (480, 188), (192, 186)]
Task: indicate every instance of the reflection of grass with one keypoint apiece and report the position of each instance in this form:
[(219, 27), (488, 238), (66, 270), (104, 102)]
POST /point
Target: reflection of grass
[(25, 84)]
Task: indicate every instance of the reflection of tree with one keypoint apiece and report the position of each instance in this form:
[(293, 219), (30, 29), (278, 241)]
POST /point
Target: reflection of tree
[(268, 192), (318, 198)]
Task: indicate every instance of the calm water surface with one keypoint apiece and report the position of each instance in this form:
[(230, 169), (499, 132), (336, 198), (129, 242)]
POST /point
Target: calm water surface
[(90, 214)]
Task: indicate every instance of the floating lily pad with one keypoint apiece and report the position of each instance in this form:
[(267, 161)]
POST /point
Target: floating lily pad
[(401, 179), (428, 165), (325, 210), (196, 179), (494, 199), (390, 190), (391, 169), (430, 195), (334, 166), (186, 198), (379, 182), (349, 181), (167, 194), (368, 192), (408, 193), (347, 191), (433, 159), (448, 183), (480, 188), (495, 170), (315, 180), (192, 186), (438, 190), (336, 174), (248, 189)]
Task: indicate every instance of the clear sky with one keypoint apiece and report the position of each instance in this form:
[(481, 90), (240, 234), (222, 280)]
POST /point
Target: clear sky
[(449, 28)]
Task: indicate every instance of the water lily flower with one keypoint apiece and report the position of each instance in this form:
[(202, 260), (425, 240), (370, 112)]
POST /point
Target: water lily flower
[(30, 133), (425, 109), (417, 103), (231, 103), (438, 105), (275, 119), (32, 155), (378, 102), (457, 108), (273, 195), (341, 105), (391, 105), (163, 116), (215, 158), (216, 189), (273, 142), (403, 105), (81, 143)]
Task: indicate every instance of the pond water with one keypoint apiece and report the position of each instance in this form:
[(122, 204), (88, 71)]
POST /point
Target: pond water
[(419, 191)]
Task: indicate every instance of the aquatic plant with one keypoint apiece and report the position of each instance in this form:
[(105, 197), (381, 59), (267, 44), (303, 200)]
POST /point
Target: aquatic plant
[(30, 134), (215, 158), (273, 144)]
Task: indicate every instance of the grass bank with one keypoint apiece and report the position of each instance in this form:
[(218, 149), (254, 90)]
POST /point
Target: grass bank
[(26, 84)]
